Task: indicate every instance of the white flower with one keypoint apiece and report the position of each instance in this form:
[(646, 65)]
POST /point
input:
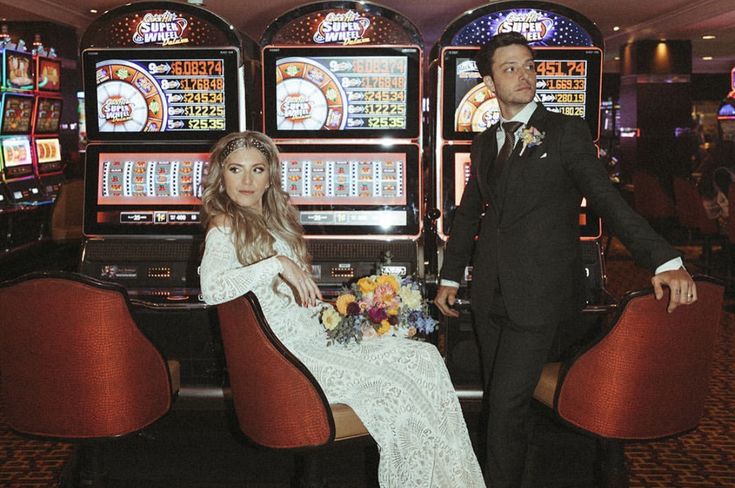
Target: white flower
[(330, 318), (410, 297)]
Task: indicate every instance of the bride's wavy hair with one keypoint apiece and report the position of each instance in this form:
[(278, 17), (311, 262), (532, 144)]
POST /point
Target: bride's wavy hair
[(254, 233)]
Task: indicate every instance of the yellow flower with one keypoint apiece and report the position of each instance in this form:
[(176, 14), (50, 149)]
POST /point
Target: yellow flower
[(343, 301), (366, 285), (411, 298), (392, 311), (330, 318), (390, 280), (384, 327)]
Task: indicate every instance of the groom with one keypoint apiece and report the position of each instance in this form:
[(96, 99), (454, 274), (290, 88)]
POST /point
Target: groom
[(529, 174)]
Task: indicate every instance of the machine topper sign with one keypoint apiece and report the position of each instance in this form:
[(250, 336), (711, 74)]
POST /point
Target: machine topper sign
[(532, 24), (165, 28), (348, 28)]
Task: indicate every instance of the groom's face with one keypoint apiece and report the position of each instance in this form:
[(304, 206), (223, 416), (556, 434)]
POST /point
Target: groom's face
[(513, 76)]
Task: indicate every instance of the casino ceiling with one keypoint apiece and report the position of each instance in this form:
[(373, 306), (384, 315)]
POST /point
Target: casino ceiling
[(619, 20)]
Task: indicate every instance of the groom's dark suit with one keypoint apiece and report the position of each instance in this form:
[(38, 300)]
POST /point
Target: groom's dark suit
[(527, 267)]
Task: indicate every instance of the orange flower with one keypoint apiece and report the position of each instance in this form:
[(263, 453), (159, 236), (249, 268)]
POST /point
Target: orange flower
[(384, 327), (343, 301)]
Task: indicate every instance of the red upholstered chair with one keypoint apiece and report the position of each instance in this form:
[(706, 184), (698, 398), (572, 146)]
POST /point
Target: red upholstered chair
[(691, 214), (75, 367), (277, 401), (647, 377)]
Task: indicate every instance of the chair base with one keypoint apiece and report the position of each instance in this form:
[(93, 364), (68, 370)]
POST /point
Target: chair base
[(612, 467), (85, 468)]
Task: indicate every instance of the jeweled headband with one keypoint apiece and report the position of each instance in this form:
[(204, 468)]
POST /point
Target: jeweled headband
[(241, 143)]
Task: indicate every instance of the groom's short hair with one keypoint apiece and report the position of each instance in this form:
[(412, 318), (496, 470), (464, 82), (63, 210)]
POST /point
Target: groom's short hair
[(484, 57)]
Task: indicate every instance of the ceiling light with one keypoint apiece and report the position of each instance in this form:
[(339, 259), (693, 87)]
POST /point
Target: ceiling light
[(93, 11), (617, 58), (706, 58), (616, 28), (708, 37)]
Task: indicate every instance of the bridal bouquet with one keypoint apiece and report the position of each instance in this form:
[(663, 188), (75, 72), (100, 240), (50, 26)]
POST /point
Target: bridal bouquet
[(376, 306)]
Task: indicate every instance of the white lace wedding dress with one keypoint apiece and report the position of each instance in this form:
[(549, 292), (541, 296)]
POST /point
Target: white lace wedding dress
[(399, 388)]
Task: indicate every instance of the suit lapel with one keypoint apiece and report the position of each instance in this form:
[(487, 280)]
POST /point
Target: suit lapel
[(486, 160)]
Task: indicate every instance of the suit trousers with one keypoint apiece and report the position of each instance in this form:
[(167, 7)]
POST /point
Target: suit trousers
[(512, 357)]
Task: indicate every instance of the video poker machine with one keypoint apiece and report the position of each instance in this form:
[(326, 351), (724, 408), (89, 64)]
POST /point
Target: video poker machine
[(18, 101), (162, 82), (46, 125), (342, 99), (568, 52), (726, 114)]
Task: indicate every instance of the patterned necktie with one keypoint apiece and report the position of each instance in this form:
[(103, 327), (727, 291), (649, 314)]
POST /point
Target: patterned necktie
[(510, 129)]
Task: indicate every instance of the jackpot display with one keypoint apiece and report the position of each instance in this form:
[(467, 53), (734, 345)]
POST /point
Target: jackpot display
[(334, 92), (354, 191), (154, 191), (158, 94), (562, 82)]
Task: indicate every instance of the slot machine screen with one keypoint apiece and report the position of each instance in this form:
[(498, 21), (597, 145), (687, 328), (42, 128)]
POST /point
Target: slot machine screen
[(48, 115), (161, 94), (19, 71), (16, 152), (152, 191), (355, 92), (17, 114), (568, 80), (349, 190), (456, 172), (49, 74), (48, 150)]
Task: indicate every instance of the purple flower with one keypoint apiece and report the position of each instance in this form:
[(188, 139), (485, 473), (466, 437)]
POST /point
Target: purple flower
[(353, 308), (377, 315)]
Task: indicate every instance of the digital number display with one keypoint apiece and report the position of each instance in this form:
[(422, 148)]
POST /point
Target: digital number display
[(339, 92), (361, 92), (561, 85), (160, 95), (567, 81)]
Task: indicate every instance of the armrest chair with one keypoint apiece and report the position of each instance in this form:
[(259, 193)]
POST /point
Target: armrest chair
[(277, 401), (645, 378), (76, 368)]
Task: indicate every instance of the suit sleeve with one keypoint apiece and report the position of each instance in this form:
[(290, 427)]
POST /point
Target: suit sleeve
[(648, 248), (465, 224)]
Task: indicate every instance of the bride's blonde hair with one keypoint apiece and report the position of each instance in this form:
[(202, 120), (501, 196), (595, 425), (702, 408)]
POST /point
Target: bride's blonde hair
[(254, 232)]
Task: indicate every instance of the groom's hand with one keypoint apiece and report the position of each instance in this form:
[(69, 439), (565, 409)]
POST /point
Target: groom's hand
[(445, 298), (681, 285)]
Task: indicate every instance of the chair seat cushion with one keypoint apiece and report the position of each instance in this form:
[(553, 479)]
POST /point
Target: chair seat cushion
[(347, 424)]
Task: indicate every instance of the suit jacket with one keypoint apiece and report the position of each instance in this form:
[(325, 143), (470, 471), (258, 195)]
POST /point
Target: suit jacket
[(527, 223)]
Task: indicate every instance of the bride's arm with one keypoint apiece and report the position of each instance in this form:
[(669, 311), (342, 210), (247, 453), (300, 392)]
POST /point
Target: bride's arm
[(223, 278)]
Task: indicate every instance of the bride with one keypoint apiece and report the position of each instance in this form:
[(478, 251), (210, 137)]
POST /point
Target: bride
[(399, 388)]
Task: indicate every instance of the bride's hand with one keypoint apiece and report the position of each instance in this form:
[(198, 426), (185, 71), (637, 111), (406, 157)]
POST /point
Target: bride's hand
[(301, 282)]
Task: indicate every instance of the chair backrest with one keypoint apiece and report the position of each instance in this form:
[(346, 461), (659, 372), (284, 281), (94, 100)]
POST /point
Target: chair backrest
[(73, 362), (689, 208), (68, 212), (648, 376), (650, 199), (277, 401)]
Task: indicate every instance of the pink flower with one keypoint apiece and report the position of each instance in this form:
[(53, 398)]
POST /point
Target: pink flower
[(377, 315)]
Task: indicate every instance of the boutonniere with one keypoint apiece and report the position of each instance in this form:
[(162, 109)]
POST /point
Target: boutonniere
[(531, 137)]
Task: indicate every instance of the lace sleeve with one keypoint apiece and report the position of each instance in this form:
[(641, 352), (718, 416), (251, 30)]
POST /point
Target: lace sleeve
[(222, 276)]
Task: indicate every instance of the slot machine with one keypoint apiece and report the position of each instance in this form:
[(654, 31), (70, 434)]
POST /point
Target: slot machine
[(46, 122), (342, 99), (162, 82), (726, 114), (18, 101), (568, 51)]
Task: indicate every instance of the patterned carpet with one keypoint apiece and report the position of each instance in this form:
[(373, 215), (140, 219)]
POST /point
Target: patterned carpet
[(703, 458)]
